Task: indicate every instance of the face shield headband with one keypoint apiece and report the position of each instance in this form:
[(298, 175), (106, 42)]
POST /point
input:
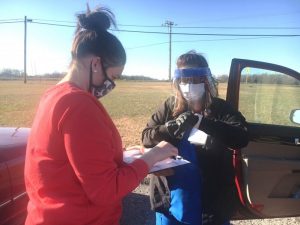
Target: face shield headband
[(191, 72), (201, 72)]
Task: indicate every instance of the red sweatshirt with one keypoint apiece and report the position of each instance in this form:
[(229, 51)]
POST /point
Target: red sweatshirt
[(74, 170)]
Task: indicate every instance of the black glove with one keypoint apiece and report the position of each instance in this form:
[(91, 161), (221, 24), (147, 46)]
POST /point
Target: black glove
[(186, 121), (182, 123), (172, 128)]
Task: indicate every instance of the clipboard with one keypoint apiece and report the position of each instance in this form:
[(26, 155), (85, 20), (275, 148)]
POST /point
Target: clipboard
[(133, 153)]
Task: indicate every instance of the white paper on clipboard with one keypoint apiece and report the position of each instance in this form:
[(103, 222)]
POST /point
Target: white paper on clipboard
[(134, 153)]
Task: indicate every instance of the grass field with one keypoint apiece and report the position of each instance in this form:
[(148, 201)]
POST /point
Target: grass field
[(130, 104), (269, 103)]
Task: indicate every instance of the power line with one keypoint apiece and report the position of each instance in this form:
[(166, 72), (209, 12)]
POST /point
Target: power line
[(240, 28), (173, 33), (219, 19), (65, 21), (149, 45), (212, 34), (58, 21), (169, 24), (12, 19), (230, 39), (54, 24), (177, 33), (247, 36), (205, 40), (217, 27), (12, 22), (36, 20), (131, 25)]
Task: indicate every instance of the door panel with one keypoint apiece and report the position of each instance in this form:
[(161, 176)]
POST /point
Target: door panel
[(16, 169), (266, 94), (271, 182), (12, 158), (5, 192)]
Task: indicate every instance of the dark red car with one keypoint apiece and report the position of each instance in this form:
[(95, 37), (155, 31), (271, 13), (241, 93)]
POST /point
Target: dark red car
[(13, 197), (267, 170)]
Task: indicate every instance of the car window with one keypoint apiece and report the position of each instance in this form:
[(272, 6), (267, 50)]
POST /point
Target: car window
[(268, 97)]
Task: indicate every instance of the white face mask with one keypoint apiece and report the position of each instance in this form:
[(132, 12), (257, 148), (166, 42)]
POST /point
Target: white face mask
[(192, 92)]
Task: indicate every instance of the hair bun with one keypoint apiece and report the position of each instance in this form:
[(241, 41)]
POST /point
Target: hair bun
[(98, 20)]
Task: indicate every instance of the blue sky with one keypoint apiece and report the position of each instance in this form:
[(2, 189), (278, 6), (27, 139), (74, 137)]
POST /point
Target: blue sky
[(48, 47)]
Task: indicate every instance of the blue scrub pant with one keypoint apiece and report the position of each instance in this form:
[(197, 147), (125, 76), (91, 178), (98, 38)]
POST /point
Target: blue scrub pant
[(186, 190)]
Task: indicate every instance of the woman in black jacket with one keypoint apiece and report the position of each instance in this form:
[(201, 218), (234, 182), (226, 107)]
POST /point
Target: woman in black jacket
[(202, 192)]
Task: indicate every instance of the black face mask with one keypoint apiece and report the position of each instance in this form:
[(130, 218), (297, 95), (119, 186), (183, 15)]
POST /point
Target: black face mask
[(100, 90)]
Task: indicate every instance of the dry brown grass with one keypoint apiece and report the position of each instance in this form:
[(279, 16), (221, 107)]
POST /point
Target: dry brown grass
[(130, 129), (130, 105)]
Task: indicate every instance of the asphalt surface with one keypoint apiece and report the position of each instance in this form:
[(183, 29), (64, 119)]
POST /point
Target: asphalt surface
[(136, 207), (137, 211)]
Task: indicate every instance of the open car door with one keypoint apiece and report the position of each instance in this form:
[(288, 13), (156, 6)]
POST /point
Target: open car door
[(269, 167)]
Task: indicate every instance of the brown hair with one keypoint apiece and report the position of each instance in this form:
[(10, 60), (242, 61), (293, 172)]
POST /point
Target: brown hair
[(92, 37), (190, 59)]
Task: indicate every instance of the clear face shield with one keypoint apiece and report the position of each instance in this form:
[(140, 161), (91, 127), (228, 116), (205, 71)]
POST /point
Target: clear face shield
[(194, 83)]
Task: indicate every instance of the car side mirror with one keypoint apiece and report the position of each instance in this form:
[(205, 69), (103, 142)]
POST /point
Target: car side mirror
[(295, 116)]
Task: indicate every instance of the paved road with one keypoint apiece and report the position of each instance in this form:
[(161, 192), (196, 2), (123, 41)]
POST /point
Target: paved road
[(136, 211), (136, 208)]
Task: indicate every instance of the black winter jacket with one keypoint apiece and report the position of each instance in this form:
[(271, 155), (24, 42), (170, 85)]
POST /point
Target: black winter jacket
[(227, 130)]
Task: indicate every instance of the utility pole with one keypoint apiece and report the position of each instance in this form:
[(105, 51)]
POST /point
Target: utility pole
[(169, 24), (25, 47), (25, 40)]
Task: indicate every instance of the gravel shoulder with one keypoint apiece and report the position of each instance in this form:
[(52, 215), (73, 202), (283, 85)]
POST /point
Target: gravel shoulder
[(137, 211)]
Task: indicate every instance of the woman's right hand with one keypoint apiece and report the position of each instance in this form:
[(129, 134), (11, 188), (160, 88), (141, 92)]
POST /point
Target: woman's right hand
[(161, 151)]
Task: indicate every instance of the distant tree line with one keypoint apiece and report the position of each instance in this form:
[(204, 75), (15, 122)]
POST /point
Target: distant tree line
[(263, 79), (269, 79), (137, 77), (11, 73), (14, 74), (222, 78)]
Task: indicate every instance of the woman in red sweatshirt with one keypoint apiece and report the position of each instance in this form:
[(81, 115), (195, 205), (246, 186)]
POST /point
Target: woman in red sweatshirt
[(74, 170)]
